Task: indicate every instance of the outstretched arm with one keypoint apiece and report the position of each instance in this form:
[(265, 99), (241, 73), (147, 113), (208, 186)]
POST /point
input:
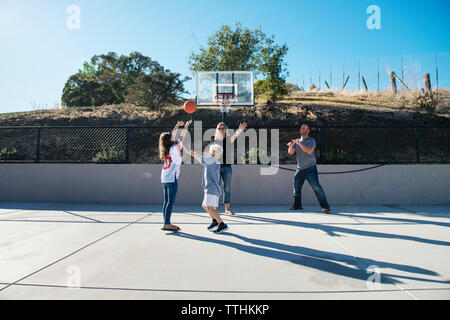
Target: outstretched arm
[(193, 154), (185, 130), (242, 128), (174, 131)]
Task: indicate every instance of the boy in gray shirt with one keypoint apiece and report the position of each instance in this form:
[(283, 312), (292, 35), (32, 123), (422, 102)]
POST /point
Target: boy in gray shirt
[(211, 185)]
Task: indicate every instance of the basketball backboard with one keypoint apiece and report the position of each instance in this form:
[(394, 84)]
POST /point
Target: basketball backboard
[(213, 83)]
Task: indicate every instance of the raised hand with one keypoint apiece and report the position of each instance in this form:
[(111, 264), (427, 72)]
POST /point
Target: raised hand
[(243, 126)]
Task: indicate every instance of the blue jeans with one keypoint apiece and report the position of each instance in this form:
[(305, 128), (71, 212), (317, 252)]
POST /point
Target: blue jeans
[(170, 194), (312, 176), (225, 173)]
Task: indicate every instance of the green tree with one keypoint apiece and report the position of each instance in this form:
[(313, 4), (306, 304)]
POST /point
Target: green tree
[(155, 89), (108, 78), (229, 49), (81, 90), (274, 69), (88, 70), (242, 49)]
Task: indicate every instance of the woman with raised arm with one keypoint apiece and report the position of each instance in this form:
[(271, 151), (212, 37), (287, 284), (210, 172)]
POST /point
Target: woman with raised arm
[(226, 141)]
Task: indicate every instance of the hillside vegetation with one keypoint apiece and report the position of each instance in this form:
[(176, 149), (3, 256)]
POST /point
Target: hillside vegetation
[(313, 107)]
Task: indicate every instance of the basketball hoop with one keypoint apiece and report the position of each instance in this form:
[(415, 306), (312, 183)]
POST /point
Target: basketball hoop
[(225, 100)]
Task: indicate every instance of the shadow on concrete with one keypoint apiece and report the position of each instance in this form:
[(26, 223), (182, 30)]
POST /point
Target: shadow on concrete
[(316, 259), (333, 230)]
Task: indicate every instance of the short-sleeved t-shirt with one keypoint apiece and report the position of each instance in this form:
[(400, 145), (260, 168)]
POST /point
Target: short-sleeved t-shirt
[(172, 163), (305, 160), (211, 176)]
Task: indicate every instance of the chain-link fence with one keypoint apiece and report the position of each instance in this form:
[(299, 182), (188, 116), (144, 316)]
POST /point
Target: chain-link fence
[(335, 145)]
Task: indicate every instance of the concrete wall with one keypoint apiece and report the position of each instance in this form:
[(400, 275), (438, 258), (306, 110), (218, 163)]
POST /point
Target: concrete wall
[(140, 183)]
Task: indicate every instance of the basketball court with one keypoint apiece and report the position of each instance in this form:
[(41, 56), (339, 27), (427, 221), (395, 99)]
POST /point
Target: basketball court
[(69, 250), (117, 251)]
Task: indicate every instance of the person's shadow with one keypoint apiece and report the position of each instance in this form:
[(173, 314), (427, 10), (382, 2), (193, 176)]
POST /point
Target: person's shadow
[(336, 263), (334, 230)]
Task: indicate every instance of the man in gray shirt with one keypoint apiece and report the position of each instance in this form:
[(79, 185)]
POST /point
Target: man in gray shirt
[(306, 169)]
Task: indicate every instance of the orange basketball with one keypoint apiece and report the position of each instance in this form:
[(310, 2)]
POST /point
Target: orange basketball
[(190, 106)]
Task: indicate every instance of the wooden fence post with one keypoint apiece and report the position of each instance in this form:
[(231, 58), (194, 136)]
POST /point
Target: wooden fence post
[(364, 83), (394, 85), (427, 82), (345, 83), (400, 80)]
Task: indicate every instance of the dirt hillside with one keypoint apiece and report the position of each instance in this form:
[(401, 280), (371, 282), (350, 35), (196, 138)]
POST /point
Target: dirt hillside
[(315, 108)]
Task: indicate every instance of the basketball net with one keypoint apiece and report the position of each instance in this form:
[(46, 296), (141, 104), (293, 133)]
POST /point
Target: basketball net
[(225, 100)]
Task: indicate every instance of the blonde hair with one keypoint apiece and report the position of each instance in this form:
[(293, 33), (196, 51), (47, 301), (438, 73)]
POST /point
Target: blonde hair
[(217, 135), (215, 150)]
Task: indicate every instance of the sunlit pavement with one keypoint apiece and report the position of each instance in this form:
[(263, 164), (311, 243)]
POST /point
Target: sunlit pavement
[(110, 251)]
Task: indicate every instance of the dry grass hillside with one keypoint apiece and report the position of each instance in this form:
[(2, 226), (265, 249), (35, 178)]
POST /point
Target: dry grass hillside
[(313, 107)]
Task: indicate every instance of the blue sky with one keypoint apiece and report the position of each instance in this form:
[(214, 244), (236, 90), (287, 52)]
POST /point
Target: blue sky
[(39, 52)]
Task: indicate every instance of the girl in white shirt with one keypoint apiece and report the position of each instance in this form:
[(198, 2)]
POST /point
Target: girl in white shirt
[(170, 153)]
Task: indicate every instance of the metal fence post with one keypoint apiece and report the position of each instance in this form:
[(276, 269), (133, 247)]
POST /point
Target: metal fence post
[(127, 151), (417, 144), (378, 75), (38, 147), (437, 78), (321, 144)]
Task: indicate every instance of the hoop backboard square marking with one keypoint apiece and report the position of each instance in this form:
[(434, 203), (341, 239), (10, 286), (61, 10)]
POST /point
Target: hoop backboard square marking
[(225, 88), (211, 83)]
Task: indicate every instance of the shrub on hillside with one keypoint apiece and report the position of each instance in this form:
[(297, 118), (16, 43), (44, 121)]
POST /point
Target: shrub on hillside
[(270, 90), (422, 100), (292, 88)]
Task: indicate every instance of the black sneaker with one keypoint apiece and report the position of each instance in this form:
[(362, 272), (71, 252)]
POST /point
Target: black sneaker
[(222, 227), (213, 225), (294, 207)]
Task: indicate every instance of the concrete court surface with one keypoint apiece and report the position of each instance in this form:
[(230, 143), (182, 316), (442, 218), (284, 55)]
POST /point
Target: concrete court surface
[(117, 251)]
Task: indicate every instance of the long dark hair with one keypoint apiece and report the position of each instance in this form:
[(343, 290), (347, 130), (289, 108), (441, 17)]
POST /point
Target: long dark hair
[(165, 142)]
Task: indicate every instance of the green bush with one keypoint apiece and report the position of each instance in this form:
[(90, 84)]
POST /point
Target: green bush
[(253, 155), (271, 90), (421, 101), (425, 101), (338, 156), (292, 88), (110, 155), (6, 154)]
